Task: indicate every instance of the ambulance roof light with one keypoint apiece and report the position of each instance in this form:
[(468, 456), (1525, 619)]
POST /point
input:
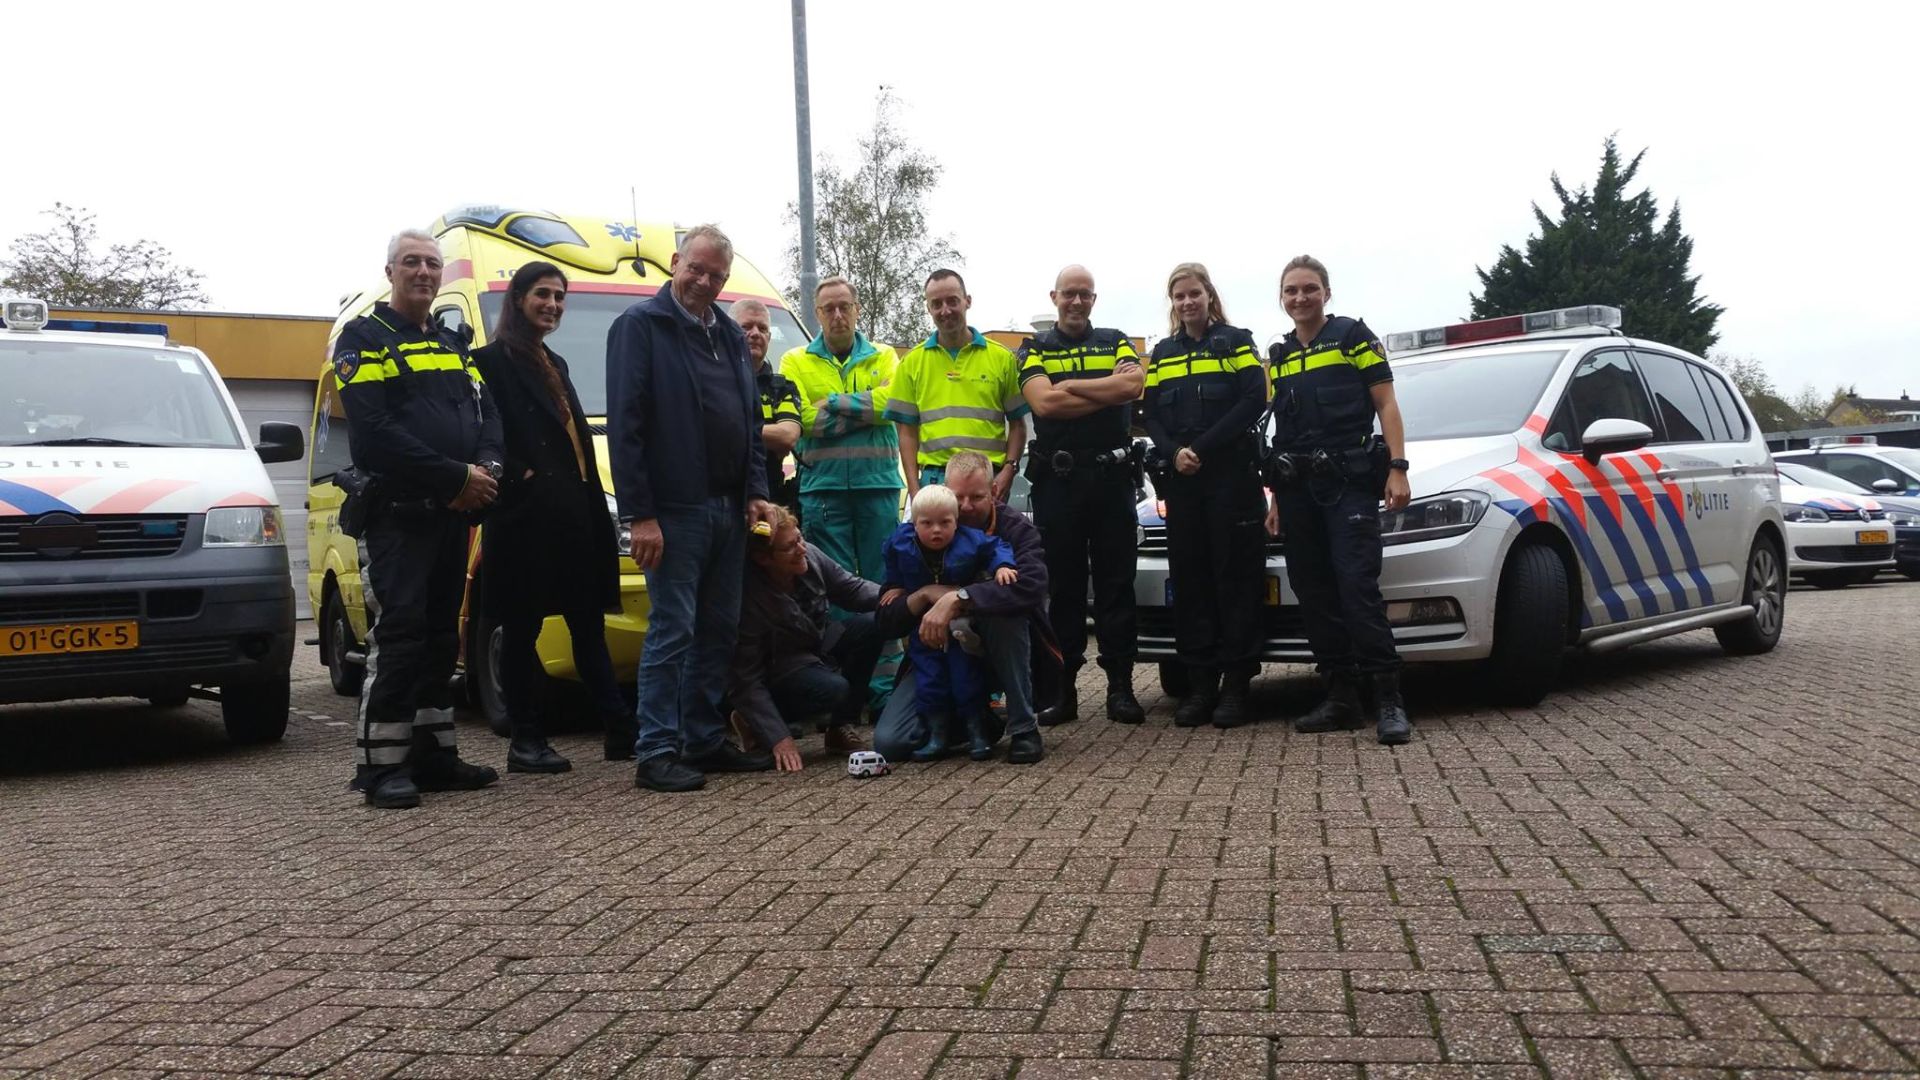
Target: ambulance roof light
[(1842, 440), (20, 313), (1510, 326)]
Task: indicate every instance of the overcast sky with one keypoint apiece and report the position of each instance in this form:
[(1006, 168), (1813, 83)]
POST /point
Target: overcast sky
[(276, 146)]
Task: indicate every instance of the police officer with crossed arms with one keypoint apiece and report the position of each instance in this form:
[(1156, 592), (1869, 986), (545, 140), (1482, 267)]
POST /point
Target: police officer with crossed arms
[(1329, 473)]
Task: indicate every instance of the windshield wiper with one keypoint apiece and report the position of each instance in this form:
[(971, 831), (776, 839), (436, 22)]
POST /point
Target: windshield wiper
[(84, 440)]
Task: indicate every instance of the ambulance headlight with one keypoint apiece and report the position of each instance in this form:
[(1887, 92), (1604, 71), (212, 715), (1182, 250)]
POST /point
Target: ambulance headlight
[(244, 526), (622, 532), (1804, 513), (1449, 514)]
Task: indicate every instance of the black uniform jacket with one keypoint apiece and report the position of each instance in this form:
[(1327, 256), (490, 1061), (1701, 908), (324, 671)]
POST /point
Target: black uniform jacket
[(548, 546)]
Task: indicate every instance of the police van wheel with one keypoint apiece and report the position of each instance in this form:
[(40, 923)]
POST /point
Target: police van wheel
[(1529, 626), (257, 712), (1174, 678), (1764, 590), (345, 675), (483, 675)]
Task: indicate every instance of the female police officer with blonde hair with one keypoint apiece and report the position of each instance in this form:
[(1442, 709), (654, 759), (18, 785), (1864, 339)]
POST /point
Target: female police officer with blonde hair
[(1205, 389), (1329, 472)]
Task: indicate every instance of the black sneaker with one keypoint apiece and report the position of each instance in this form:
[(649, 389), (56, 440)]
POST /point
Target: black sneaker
[(443, 770), (729, 758), (533, 755), (1123, 707), (664, 772), (1338, 711), (1025, 748)]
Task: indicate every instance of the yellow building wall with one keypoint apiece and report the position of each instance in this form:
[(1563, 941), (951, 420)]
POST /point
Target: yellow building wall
[(241, 346)]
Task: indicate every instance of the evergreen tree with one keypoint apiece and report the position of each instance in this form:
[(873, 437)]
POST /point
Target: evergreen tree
[(1608, 247)]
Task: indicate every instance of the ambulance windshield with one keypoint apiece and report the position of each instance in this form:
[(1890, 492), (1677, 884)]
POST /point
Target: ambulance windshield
[(582, 338), (74, 393)]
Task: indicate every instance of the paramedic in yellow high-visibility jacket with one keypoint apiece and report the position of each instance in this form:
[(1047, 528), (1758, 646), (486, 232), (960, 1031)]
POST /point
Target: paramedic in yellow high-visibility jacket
[(957, 391)]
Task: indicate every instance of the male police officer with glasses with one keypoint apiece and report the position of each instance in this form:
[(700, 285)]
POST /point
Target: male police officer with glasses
[(426, 446), (1081, 381)]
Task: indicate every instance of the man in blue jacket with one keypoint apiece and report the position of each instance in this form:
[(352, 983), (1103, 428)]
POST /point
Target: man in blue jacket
[(689, 473)]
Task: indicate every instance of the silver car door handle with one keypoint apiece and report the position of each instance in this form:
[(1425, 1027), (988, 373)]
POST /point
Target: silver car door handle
[(1667, 477)]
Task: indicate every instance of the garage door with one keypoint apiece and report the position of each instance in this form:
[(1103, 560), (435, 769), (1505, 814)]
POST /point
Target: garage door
[(289, 401)]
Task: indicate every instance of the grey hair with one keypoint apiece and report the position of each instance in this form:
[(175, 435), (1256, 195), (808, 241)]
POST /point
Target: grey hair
[(969, 461), (746, 304), (712, 235), (401, 237), (832, 281)]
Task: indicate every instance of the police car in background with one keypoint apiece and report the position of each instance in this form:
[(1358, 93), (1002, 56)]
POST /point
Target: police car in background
[(141, 549), (1572, 487), (1832, 521)]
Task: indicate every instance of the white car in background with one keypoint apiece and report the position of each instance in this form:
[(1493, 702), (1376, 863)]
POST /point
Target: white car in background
[(1572, 488), (1834, 539)]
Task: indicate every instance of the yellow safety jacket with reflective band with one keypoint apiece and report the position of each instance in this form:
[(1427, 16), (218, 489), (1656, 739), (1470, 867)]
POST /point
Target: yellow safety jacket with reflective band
[(959, 401), (846, 441)]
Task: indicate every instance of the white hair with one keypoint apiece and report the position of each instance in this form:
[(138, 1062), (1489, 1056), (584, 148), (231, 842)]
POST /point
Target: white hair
[(934, 500), (404, 235), (746, 304), (712, 235), (969, 461)]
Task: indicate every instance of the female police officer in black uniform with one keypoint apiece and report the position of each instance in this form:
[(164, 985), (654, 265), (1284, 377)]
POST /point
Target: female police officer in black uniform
[(1328, 469), (1204, 391)]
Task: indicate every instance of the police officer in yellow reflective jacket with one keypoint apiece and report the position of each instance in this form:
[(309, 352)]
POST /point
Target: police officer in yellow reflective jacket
[(779, 400), (1081, 381), (423, 427), (1205, 390), (1329, 473)]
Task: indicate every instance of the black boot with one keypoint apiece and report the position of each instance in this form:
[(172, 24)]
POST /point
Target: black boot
[(1025, 748), (441, 769), (1065, 710), (1391, 725), (388, 787), (1197, 709), (1338, 711), (1122, 706), (1232, 710), (531, 754)]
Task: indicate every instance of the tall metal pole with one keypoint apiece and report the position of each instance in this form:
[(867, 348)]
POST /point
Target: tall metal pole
[(803, 136)]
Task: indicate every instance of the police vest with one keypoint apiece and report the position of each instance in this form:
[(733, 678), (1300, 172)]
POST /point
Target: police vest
[(1193, 384), (422, 378), (1094, 356), (1322, 396)]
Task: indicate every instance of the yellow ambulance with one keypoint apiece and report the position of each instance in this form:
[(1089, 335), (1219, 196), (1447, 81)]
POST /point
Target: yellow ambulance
[(610, 264)]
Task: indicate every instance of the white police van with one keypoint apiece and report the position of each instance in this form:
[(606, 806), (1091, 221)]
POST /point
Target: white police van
[(141, 551), (1572, 487)]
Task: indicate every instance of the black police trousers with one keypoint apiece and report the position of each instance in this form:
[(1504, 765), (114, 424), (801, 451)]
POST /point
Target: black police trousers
[(414, 569), (1216, 558), (1088, 523), (1332, 534)]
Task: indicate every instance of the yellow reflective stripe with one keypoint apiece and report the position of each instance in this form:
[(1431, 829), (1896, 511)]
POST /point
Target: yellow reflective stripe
[(1364, 357), (374, 372), (1329, 358)]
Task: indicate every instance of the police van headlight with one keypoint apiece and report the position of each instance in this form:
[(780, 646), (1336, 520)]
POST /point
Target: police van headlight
[(243, 526), (1434, 517), (1905, 519), (1804, 513), (622, 532)]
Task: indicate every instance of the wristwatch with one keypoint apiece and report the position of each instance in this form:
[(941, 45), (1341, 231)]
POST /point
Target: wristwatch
[(494, 469), (962, 594), (1399, 463)]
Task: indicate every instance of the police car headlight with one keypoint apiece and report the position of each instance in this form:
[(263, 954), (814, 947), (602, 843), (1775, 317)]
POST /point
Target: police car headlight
[(1433, 518), (243, 526), (622, 532), (1903, 518), (1804, 513)]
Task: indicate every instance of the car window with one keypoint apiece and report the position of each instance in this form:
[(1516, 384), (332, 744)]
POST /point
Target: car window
[(1465, 396), (1604, 386), (1714, 387), (1676, 397), (1861, 469)]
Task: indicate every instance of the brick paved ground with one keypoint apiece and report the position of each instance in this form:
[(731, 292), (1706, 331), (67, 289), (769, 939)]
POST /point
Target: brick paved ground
[(1680, 865)]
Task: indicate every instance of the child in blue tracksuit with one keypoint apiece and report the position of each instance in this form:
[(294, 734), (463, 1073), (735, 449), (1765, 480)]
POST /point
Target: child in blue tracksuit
[(935, 549)]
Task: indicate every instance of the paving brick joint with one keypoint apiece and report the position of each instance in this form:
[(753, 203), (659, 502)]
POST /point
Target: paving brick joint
[(1679, 865)]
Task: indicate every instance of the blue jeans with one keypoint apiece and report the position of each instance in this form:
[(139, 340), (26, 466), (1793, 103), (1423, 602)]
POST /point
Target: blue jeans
[(695, 620), (900, 730), (818, 692)]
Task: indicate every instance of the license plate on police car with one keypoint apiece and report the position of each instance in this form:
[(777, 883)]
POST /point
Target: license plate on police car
[(1870, 536), (69, 638), (1273, 591)]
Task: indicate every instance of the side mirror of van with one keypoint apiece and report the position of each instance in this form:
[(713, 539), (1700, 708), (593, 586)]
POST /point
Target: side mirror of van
[(1886, 485), (1610, 435), (280, 442)]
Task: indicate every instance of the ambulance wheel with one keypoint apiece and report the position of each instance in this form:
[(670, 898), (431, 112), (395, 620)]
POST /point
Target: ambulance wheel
[(337, 634), (257, 712), (1529, 626), (483, 675), (1765, 590), (1174, 678)]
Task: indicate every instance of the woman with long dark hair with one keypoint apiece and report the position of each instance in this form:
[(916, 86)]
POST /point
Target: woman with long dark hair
[(548, 548)]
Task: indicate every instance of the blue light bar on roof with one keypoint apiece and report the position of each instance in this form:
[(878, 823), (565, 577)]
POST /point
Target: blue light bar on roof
[(107, 326)]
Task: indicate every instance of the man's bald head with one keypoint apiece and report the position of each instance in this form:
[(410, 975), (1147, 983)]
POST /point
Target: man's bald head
[(1073, 298)]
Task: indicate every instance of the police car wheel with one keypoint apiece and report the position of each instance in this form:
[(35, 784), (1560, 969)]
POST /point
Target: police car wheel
[(1764, 590), (1174, 678), (1529, 626), (344, 675), (257, 712)]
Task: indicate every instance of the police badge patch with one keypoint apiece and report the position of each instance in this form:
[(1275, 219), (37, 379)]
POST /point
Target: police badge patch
[(345, 363)]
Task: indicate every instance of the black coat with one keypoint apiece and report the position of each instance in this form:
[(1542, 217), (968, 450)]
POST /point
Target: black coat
[(548, 544)]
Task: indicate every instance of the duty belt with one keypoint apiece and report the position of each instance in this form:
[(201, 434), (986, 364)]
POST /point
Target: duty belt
[(1063, 463)]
